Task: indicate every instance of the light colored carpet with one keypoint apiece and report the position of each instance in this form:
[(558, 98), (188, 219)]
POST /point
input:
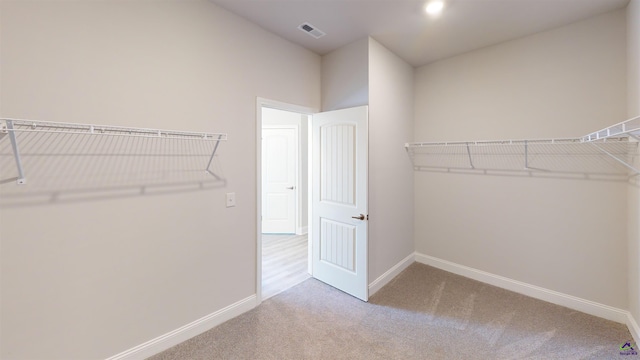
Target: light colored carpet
[(424, 313)]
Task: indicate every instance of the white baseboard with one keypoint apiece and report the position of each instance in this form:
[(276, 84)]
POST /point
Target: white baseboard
[(385, 278), (555, 297), (302, 230), (634, 329), (186, 332)]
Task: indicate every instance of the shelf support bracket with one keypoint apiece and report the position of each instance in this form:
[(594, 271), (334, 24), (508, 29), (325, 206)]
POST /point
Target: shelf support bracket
[(470, 159), (215, 148), (16, 152), (622, 162), (526, 154)]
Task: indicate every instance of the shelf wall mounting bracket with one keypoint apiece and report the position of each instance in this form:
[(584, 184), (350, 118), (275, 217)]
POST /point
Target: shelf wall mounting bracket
[(16, 152), (622, 162), (526, 154), (470, 159), (215, 148)]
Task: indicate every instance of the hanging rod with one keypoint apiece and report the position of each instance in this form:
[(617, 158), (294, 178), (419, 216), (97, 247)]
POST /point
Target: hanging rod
[(515, 154), (13, 127), (493, 142)]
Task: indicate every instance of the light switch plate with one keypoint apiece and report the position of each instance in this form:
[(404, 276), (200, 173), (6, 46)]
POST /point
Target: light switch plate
[(231, 199)]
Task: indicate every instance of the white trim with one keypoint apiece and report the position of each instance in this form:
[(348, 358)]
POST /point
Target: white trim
[(302, 230), (634, 329), (300, 163), (175, 337), (385, 278), (309, 195), (259, 103), (274, 104), (555, 297)]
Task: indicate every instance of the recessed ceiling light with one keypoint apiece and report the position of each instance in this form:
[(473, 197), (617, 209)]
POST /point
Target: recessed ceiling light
[(434, 7)]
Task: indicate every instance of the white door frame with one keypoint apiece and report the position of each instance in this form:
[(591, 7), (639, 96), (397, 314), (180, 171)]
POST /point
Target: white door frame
[(260, 103)]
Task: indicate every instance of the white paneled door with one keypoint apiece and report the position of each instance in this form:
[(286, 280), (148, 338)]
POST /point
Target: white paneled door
[(279, 178), (339, 199)]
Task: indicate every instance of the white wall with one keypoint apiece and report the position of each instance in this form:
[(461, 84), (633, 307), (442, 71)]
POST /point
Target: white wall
[(633, 110), (390, 170), (345, 76), (90, 279), (564, 235)]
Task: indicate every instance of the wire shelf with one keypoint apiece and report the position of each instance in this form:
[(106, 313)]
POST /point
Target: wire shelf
[(21, 125), (629, 127), (80, 156), (611, 152)]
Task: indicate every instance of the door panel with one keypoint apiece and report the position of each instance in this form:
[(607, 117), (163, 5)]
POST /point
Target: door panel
[(337, 165), (337, 244), (339, 197)]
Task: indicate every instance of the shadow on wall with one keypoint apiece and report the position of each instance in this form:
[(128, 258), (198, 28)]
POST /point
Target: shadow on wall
[(64, 167)]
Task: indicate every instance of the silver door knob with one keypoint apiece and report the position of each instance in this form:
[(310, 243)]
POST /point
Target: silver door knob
[(361, 217), (291, 187)]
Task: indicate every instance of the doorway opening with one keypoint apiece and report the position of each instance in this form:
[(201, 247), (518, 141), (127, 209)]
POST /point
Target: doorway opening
[(332, 155), (283, 242)]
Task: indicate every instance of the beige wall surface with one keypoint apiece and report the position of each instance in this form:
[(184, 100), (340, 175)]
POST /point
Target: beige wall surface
[(94, 277), (390, 170), (565, 82), (345, 76), (633, 106), (560, 234)]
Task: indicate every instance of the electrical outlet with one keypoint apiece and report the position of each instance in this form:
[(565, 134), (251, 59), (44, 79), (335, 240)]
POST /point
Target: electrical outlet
[(231, 199)]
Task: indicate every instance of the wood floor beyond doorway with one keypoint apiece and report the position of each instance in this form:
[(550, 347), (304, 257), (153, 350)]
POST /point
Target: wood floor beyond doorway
[(284, 262)]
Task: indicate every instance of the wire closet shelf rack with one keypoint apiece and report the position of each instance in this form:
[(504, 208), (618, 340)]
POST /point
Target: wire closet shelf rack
[(612, 151), (34, 144)]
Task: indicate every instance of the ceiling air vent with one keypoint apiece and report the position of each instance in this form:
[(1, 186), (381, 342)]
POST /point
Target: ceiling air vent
[(311, 30)]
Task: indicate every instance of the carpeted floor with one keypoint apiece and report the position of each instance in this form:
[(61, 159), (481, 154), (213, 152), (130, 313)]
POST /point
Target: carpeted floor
[(424, 313)]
